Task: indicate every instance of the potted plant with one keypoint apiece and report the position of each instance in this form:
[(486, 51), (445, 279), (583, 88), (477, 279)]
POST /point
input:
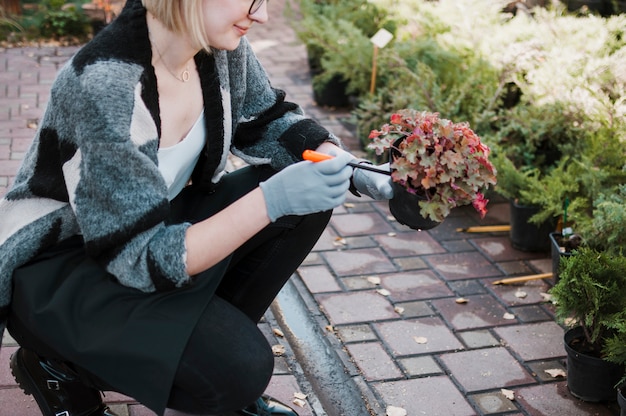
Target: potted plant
[(602, 230), (533, 151), (434, 162), (615, 351), (337, 35), (591, 297)]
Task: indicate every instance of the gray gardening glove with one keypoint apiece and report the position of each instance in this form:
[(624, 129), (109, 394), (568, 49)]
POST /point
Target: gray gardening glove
[(375, 185), (307, 187)]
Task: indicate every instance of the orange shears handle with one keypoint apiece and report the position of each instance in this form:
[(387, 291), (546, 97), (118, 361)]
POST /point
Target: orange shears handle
[(314, 156)]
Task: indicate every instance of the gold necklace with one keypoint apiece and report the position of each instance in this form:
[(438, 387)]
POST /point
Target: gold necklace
[(184, 76)]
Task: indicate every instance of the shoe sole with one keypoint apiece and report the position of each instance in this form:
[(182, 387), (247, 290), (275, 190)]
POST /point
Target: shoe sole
[(27, 384)]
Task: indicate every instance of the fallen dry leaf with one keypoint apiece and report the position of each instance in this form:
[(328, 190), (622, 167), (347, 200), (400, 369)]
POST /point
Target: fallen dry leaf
[(278, 333), (392, 234), (348, 205), (278, 350), (399, 310), (509, 394), (461, 301), (391, 218), (299, 402), (556, 372), (32, 123), (521, 294), (330, 328), (383, 292), (421, 340), (508, 316), (395, 411), (546, 297), (300, 396), (375, 280), (339, 242)]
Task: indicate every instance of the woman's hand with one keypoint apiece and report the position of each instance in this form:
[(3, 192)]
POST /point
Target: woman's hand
[(307, 187)]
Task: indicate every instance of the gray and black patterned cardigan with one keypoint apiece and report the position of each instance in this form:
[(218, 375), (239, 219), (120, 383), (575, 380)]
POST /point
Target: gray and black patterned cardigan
[(92, 167)]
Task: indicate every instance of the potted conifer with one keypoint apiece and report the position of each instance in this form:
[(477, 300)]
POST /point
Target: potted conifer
[(590, 297), (533, 150)]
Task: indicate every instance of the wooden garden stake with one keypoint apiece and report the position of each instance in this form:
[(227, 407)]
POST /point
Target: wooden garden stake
[(523, 279), (380, 40), (484, 229)]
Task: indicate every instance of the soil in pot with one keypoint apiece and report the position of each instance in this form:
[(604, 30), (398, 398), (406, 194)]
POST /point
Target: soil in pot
[(589, 377), (526, 236)]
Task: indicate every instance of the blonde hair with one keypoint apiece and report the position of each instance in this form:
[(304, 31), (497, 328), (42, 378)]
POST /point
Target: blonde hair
[(181, 16)]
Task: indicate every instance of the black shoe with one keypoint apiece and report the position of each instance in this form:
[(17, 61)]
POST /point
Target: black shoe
[(267, 406), (56, 387)]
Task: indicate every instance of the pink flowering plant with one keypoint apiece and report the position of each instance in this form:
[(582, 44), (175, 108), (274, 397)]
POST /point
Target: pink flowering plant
[(444, 162)]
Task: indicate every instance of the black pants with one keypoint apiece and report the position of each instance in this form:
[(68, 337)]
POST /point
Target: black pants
[(227, 362)]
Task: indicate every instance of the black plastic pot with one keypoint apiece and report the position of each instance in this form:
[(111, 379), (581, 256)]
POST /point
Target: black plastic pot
[(589, 378), (405, 208), (526, 236), (332, 93), (621, 400), (602, 7), (556, 254)]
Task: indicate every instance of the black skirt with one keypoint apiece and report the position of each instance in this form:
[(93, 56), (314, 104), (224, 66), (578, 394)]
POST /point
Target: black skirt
[(131, 340)]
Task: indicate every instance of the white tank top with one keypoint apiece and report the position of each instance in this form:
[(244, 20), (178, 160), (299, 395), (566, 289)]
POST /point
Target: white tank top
[(177, 162)]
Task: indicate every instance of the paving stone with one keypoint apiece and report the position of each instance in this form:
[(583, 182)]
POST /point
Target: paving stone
[(521, 294), (479, 311), (456, 266), (6, 378), (282, 387), (355, 262), (360, 224), (555, 399), (493, 403), (456, 246), (534, 341), (414, 309), (499, 249), (318, 279), (486, 369), (358, 283), (425, 396), (417, 285), (348, 308), (359, 242), (530, 313), (410, 263), (326, 241), (420, 366), (356, 333), (313, 259), (140, 410), (539, 368), (478, 339), (374, 362), (418, 336), (466, 287), (15, 403), (409, 244), (515, 268)]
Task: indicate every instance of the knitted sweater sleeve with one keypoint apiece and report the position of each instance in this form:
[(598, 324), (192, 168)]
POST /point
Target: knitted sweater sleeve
[(269, 128), (115, 188)]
